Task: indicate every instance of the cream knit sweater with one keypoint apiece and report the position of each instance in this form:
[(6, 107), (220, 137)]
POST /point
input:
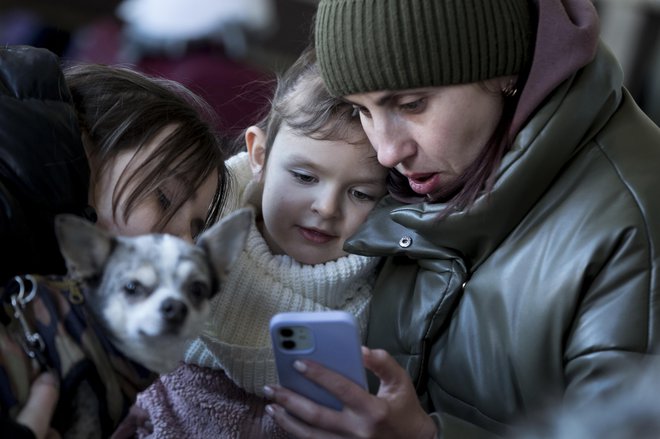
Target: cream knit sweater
[(259, 285)]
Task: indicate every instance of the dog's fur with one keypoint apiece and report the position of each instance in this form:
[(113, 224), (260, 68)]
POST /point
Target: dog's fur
[(150, 293)]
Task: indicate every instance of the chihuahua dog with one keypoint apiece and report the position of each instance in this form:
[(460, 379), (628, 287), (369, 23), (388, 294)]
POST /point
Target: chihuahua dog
[(124, 313)]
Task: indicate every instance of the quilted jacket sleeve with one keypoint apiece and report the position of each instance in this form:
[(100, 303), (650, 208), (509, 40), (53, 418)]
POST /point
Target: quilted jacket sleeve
[(43, 167)]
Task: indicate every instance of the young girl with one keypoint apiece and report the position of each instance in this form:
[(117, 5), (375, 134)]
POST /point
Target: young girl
[(312, 178), (156, 162)]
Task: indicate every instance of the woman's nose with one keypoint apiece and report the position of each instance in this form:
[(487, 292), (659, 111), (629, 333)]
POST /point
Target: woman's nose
[(392, 143)]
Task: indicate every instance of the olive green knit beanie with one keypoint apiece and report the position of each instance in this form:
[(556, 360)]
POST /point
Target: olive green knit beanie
[(369, 45)]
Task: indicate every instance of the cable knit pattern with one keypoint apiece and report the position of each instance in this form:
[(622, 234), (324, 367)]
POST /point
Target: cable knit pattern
[(261, 284)]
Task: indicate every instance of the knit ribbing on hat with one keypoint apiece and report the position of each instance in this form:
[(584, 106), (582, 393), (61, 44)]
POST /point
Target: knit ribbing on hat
[(369, 45)]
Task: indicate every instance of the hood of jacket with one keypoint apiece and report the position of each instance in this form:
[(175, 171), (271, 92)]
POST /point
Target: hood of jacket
[(43, 156)]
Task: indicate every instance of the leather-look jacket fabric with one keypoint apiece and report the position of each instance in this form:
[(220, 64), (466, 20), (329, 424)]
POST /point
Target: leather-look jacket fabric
[(545, 289), (43, 167)]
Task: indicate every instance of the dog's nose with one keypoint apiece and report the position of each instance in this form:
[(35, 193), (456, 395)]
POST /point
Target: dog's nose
[(174, 311)]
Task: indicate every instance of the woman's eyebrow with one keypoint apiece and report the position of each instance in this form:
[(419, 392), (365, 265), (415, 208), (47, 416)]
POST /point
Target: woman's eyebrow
[(381, 101), (386, 98)]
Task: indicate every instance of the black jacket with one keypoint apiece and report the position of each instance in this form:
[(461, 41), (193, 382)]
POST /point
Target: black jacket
[(43, 167)]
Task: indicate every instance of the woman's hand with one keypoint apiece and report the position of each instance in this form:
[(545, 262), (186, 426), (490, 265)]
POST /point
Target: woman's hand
[(38, 410), (394, 412)]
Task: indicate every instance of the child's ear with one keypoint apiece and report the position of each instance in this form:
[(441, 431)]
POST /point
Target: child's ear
[(255, 140)]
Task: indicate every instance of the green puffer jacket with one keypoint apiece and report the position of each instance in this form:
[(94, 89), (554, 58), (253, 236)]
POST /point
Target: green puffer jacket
[(547, 288)]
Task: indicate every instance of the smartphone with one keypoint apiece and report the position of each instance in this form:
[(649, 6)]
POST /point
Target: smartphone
[(331, 338)]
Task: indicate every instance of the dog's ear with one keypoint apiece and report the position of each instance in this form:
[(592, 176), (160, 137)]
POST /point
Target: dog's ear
[(85, 247), (225, 240)]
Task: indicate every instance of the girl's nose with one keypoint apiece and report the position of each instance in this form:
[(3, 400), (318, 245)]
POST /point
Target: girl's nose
[(327, 203)]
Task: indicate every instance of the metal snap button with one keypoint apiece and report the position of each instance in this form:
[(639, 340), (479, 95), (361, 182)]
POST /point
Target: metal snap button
[(405, 242)]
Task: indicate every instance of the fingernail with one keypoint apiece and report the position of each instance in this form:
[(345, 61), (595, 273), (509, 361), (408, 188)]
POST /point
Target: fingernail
[(268, 391), (270, 410), (49, 378), (300, 366)]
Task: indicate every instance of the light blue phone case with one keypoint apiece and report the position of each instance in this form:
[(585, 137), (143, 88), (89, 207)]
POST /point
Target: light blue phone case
[(330, 338)]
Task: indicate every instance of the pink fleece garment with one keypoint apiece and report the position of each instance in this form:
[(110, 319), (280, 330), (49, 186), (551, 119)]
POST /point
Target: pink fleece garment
[(196, 402)]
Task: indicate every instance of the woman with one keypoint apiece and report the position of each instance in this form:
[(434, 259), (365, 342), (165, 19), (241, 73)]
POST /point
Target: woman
[(137, 154), (523, 226)]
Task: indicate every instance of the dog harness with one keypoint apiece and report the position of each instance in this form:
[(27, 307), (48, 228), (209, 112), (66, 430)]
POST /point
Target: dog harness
[(44, 325)]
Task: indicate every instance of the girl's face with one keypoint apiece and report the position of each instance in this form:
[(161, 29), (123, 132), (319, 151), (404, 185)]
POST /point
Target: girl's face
[(430, 135), (186, 223), (316, 193)]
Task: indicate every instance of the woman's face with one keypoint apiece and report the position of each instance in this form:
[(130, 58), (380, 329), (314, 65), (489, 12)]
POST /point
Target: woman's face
[(316, 193), (186, 223), (430, 135)]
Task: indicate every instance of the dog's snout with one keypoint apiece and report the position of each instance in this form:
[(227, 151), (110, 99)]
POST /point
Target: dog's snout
[(174, 311)]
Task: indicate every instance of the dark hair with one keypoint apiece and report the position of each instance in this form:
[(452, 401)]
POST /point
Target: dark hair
[(121, 109), (302, 102), (477, 177)]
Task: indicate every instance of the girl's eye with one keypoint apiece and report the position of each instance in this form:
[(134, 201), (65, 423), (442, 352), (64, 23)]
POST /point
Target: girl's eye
[(361, 196), (363, 111), (163, 200), (303, 178)]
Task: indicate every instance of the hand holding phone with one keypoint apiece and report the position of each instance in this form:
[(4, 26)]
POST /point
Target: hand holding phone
[(330, 338)]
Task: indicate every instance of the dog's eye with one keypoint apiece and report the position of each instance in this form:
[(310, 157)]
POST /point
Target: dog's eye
[(199, 290), (132, 288)]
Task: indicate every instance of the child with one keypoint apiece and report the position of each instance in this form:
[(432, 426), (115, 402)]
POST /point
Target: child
[(314, 179), (156, 161)]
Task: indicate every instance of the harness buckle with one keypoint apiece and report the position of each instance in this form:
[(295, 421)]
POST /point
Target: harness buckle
[(33, 343)]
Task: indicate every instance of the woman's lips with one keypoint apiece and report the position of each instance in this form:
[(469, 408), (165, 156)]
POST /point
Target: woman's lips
[(315, 236), (424, 184)]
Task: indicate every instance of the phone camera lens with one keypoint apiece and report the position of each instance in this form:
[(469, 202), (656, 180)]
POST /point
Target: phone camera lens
[(286, 332), (288, 344)]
